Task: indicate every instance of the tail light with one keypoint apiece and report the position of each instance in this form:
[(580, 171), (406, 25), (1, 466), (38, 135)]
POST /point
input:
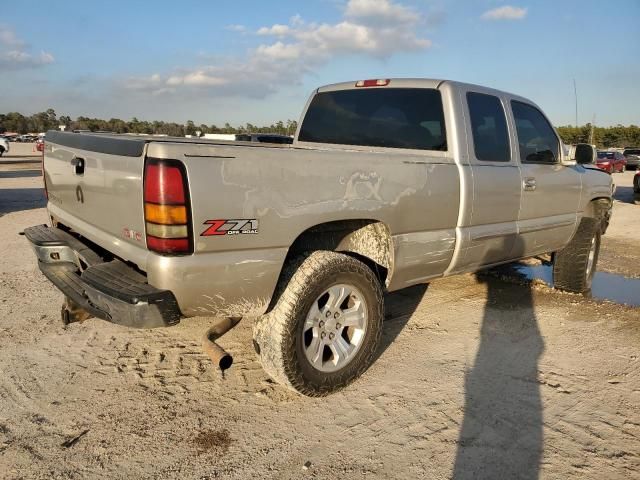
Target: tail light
[(44, 177), (166, 207), (380, 82)]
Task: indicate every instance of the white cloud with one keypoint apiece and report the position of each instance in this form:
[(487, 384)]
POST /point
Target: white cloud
[(277, 29), (374, 11), (375, 28), (236, 28), (505, 13), (15, 54), (200, 78)]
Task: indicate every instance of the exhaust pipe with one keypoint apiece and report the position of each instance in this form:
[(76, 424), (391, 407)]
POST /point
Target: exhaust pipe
[(216, 353), (71, 312)]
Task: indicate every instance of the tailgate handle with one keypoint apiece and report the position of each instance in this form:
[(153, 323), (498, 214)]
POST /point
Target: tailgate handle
[(78, 165)]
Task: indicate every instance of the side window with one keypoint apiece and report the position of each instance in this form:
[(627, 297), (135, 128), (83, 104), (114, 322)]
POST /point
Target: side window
[(536, 138), (489, 127), (377, 117)]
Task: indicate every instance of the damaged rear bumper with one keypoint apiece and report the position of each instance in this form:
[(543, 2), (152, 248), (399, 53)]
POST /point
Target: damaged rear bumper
[(112, 290)]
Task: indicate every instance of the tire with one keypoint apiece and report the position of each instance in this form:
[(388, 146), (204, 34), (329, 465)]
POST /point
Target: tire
[(287, 335), (575, 265), (1, 151)]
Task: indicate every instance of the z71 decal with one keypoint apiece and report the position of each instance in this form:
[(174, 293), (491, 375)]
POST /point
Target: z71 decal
[(232, 226)]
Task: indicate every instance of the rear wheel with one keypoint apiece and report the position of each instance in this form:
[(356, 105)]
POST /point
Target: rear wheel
[(1, 151), (323, 332), (575, 265)]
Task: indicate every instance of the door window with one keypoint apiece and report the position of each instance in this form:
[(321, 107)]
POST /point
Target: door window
[(536, 138), (489, 127)]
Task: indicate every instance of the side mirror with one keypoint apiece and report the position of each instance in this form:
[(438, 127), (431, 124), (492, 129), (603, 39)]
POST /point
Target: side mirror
[(584, 153)]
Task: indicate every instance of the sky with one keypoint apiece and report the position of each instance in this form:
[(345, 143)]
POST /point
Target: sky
[(254, 61)]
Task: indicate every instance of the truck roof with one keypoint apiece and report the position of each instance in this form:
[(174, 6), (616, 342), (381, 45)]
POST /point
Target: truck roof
[(415, 83)]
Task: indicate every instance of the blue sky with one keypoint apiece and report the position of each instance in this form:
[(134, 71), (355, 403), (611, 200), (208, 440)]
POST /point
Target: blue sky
[(254, 61)]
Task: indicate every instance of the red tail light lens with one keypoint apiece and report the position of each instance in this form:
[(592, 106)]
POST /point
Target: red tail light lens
[(44, 178), (164, 184), (376, 82), (166, 206)]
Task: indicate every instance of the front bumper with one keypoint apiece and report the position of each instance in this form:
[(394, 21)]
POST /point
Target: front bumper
[(110, 290)]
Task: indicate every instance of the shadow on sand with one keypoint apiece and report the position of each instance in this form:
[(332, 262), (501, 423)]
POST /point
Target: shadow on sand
[(501, 433)]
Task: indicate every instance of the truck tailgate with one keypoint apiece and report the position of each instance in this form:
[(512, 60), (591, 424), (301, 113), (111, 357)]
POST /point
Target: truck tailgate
[(97, 180)]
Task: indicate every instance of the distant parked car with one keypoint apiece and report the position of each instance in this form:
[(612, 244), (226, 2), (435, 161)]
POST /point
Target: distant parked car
[(26, 138), (633, 157), (4, 145), (611, 162)]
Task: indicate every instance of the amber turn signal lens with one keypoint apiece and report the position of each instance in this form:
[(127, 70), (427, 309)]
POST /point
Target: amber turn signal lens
[(165, 214)]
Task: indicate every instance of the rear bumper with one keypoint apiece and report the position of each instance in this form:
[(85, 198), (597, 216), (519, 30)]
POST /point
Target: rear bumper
[(110, 290)]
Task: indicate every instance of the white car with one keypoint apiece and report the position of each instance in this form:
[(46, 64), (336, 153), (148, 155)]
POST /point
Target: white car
[(4, 145)]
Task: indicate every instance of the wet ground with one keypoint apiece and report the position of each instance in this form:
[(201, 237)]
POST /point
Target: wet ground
[(478, 376), (607, 286)]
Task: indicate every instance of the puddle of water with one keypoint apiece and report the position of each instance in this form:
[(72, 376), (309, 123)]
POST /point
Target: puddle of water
[(605, 286)]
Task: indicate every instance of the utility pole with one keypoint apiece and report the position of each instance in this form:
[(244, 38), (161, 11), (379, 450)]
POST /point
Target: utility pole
[(575, 93), (593, 122)]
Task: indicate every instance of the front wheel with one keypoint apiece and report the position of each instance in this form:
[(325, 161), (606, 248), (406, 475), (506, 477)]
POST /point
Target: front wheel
[(574, 266), (324, 330)]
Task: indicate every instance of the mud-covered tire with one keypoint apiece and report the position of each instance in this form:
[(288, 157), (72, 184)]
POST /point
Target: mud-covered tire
[(279, 334), (575, 265)]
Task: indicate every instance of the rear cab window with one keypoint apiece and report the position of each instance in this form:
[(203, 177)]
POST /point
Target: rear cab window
[(489, 128), (537, 140), (411, 118)]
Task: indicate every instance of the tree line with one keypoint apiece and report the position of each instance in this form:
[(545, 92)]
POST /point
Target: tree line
[(43, 121), (602, 137)]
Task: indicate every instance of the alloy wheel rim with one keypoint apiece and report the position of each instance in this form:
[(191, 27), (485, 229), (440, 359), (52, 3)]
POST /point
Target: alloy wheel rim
[(335, 328)]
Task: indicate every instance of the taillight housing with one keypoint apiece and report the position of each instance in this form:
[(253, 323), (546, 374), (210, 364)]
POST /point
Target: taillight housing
[(167, 212), (375, 82), (44, 177)]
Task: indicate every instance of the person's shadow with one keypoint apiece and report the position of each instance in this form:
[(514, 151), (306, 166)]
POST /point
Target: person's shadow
[(501, 433)]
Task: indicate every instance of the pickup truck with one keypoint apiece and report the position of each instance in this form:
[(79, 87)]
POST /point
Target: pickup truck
[(388, 183)]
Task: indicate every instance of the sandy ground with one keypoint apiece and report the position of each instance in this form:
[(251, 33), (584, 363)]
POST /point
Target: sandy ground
[(477, 377)]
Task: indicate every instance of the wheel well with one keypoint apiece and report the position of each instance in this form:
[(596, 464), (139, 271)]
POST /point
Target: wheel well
[(599, 208), (367, 240)]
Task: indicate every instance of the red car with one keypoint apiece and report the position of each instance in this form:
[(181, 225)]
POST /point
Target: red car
[(40, 144), (611, 162)]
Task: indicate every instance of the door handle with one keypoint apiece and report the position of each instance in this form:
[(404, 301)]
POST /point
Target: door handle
[(78, 165), (529, 184)]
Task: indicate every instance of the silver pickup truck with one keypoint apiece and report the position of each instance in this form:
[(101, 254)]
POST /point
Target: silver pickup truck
[(388, 183)]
